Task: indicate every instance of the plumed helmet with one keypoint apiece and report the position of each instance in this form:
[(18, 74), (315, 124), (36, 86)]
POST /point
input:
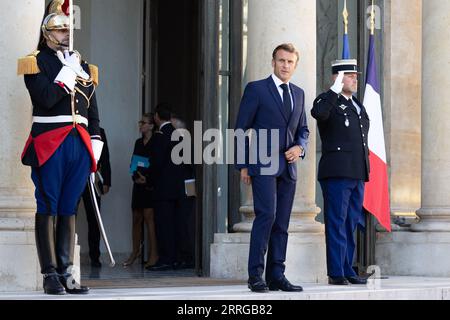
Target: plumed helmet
[(57, 18)]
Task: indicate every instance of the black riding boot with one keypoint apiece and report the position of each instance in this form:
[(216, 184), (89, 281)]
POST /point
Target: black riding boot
[(45, 244), (65, 245)]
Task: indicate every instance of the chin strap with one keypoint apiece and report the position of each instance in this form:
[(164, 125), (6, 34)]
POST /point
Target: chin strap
[(61, 46)]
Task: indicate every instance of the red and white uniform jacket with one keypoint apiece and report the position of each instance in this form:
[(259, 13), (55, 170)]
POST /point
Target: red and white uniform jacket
[(53, 117)]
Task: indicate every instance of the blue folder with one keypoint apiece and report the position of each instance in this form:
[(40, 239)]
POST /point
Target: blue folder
[(138, 161)]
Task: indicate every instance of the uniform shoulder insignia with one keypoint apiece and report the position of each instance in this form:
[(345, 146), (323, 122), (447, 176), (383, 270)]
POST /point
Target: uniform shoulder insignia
[(28, 64), (93, 69)]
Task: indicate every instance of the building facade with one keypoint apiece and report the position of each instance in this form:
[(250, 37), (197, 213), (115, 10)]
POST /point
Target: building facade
[(198, 55)]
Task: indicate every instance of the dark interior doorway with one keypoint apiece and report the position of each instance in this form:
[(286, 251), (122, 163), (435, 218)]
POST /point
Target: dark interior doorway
[(173, 56), (172, 63)]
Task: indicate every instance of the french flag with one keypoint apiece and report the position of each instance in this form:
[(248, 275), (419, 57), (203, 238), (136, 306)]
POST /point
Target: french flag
[(376, 195)]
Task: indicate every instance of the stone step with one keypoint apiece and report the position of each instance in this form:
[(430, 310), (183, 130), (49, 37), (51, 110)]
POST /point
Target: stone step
[(392, 288)]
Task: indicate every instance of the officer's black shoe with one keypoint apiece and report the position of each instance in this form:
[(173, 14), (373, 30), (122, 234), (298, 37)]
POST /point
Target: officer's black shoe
[(338, 281), (96, 264), (183, 265), (256, 284), (356, 280), (71, 286), (284, 285), (52, 285), (160, 267)]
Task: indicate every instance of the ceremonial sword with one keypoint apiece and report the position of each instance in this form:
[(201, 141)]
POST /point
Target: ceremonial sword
[(91, 178)]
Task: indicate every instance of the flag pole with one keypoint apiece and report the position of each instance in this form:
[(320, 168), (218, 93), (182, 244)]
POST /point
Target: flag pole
[(71, 26), (345, 15), (372, 20), (346, 45)]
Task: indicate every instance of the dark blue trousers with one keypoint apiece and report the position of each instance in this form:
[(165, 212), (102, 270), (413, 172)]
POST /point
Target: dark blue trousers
[(273, 199), (343, 200), (61, 180)]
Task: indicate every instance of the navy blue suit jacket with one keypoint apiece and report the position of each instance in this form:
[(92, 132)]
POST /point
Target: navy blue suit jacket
[(262, 108)]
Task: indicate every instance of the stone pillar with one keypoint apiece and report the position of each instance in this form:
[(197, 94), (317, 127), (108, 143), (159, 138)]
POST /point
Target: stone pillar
[(270, 24), (404, 253), (435, 210), (402, 56), (19, 266)]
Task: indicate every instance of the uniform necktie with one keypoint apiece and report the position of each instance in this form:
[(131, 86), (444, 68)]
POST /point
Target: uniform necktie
[(287, 103), (352, 105)]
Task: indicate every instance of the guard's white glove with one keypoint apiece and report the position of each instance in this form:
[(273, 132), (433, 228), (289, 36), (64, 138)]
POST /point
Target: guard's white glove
[(338, 85), (68, 77), (97, 147), (73, 61)]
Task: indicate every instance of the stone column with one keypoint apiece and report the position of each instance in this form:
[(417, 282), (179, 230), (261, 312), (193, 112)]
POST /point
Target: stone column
[(424, 251), (272, 22), (435, 210), (402, 74), (19, 266)]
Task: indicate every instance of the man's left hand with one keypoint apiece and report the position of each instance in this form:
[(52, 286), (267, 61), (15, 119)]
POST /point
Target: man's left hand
[(293, 154), (105, 189)]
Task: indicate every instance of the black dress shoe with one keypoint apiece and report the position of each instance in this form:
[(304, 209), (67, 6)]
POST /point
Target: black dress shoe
[(96, 264), (284, 285), (183, 265), (257, 285), (160, 267), (71, 286), (338, 281), (52, 285), (356, 280)]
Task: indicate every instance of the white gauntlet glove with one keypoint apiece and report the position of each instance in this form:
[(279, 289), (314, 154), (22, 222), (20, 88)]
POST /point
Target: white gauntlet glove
[(338, 85), (68, 77), (97, 147), (73, 61)]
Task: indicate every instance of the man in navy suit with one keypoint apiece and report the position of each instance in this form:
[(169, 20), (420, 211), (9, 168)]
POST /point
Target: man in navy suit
[(276, 107)]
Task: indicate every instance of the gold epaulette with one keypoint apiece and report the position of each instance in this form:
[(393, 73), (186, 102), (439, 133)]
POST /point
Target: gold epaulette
[(94, 73), (28, 64)]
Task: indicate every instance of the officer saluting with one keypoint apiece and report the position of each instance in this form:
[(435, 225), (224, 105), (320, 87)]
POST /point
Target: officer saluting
[(64, 145), (344, 167)]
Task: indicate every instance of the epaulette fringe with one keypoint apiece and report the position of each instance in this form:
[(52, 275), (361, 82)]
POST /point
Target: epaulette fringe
[(94, 73), (28, 64)]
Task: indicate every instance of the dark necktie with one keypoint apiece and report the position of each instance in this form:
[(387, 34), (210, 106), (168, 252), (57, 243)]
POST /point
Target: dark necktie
[(287, 103), (351, 105)]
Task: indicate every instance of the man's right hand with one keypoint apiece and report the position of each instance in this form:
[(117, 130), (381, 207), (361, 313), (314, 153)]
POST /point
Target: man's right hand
[(105, 189), (245, 178), (338, 85)]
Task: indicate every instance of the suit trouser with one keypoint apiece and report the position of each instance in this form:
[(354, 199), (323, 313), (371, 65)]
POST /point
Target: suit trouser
[(343, 200), (273, 198), (93, 229), (170, 234), (185, 229)]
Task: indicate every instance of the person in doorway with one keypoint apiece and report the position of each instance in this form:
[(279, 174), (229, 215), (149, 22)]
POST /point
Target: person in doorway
[(185, 224), (103, 184), (142, 199), (273, 104), (169, 193)]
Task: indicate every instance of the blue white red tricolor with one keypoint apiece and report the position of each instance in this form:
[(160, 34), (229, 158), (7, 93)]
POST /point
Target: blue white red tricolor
[(376, 197)]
